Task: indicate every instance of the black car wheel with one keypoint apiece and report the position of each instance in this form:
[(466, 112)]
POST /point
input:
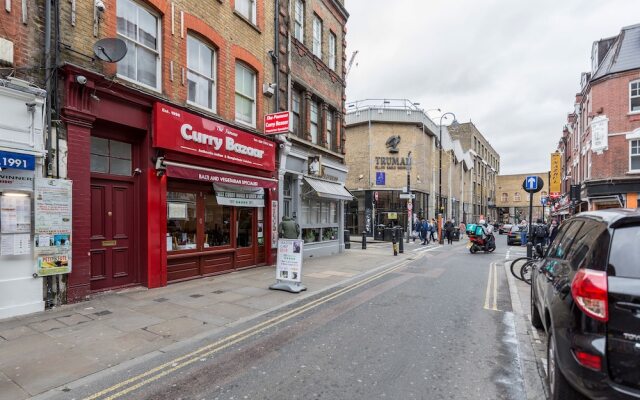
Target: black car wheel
[(559, 388), (536, 321)]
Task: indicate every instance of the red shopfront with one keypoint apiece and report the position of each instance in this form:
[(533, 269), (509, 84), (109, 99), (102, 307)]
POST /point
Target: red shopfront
[(216, 195)]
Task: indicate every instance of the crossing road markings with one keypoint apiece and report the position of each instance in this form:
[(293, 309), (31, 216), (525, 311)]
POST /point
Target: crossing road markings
[(491, 296), (203, 352)]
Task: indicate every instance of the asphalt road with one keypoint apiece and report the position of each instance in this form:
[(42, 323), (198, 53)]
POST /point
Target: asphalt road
[(436, 326), (433, 329)]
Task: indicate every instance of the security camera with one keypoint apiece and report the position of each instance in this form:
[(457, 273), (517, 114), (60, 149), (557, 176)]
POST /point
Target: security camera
[(269, 89), (81, 79), (100, 5), (281, 145)]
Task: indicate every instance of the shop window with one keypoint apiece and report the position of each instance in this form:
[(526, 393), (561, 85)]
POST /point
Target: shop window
[(245, 95), (245, 227), (317, 36), (298, 23), (329, 234), (314, 122), (311, 235), (504, 197), (247, 8), (201, 74), (181, 221), (140, 29), (110, 157), (217, 223)]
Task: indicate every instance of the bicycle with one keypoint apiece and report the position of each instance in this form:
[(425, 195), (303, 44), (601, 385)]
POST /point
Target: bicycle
[(524, 270)]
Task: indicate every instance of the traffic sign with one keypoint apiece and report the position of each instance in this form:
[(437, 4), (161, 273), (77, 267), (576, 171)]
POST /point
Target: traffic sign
[(543, 201), (407, 196), (533, 184)]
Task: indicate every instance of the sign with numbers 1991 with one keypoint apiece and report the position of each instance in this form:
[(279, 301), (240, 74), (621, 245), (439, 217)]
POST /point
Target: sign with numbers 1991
[(17, 160)]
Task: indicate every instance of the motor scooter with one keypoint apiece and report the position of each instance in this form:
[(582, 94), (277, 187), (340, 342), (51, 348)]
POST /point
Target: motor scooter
[(480, 243)]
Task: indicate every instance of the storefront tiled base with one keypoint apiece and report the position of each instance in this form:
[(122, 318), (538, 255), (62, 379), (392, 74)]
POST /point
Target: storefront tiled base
[(321, 249), (17, 297)]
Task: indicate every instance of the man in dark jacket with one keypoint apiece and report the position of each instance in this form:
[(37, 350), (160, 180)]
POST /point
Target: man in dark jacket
[(448, 231), (540, 233), (424, 231)]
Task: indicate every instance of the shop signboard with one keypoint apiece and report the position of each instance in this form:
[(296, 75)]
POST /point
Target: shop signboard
[(188, 133), (17, 161), (219, 177), (239, 196), (289, 264), (52, 231), (555, 175), (277, 123), (16, 179)]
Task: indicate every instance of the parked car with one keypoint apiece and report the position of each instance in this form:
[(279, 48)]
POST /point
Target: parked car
[(513, 236), (504, 228), (585, 293)]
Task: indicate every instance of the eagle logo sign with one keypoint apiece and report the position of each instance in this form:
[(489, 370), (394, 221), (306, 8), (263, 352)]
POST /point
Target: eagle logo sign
[(392, 143)]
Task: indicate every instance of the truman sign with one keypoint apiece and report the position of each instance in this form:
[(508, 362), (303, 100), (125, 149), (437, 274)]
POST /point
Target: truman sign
[(184, 132)]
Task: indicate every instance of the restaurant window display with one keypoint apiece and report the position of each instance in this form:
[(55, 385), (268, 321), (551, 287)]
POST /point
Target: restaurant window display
[(319, 220)]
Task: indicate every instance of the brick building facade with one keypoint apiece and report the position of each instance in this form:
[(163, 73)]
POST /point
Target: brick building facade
[(513, 202), (600, 143)]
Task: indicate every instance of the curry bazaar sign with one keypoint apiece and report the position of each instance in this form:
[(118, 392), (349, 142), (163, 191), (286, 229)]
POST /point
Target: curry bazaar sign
[(184, 132), (391, 162)]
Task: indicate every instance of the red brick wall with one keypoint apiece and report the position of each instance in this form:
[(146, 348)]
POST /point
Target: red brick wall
[(611, 97)]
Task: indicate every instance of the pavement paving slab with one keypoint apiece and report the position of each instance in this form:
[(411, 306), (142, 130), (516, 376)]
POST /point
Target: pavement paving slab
[(178, 328), (47, 325), (9, 390), (16, 332), (73, 319)]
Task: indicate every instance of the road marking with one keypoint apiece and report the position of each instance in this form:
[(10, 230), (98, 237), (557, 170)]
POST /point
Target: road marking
[(223, 343), (489, 302)]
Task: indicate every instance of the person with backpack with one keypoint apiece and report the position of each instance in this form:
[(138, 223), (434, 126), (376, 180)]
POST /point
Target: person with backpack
[(540, 233), (448, 231)]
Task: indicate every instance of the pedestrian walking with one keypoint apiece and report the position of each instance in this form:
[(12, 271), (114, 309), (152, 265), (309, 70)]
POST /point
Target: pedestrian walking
[(553, 231), (448, 230), (433, 229), (540, 233), (416, 230), (462, 228), (424, 231), (524, 226)]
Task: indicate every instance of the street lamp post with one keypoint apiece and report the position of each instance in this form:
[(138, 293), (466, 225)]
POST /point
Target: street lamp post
[(409, 200), (440, 207)]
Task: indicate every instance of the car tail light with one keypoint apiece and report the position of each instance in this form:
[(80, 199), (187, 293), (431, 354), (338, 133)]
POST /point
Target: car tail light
[(588, 360), (589, 290)]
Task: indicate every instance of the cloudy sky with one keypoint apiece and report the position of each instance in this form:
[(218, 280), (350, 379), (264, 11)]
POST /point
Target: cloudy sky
[(510, 66)]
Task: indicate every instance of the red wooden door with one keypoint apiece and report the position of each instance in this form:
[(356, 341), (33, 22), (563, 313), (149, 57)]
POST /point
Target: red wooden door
[(246, 229), (112, 234)]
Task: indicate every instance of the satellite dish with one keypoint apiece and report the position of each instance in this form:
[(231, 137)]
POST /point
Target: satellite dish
[(110, 49)]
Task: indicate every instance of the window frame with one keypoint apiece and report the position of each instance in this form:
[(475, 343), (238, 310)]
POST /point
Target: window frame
[(213, 79), (254, 99), (298, 25), (329, 128), (631, 155), (314, 123), (316, 41), (516, 197), (252, 10), (631, 97), (333, 51), (297, 125), (157, 51)]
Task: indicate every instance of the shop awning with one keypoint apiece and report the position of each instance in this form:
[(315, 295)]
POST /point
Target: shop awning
[(329, 190), (216, 176)]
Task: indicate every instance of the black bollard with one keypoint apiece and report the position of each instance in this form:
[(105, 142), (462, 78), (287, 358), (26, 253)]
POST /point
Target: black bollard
[(400, 242), (364, 241)]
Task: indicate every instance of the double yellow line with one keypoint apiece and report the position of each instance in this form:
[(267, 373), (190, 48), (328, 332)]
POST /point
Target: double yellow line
[(129, 385), (491, 296)]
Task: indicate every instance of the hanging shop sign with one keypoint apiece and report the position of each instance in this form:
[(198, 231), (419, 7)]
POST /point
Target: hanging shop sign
[(241, 196), (555, 175), (277, 123), (599, 134), (17, 161), (52, 231), (184, 132)]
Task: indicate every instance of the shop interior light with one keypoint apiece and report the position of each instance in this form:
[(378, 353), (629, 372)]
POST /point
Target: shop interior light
[(13, 194)]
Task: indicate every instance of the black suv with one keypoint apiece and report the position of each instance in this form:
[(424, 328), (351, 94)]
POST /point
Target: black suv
[(585, 292)]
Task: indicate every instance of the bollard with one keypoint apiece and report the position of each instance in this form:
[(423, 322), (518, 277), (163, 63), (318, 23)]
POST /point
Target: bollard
[(364, 241), (400, 242), (394, 242)]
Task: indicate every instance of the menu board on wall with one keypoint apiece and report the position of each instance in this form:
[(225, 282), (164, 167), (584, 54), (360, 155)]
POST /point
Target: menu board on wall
[(52, 229)]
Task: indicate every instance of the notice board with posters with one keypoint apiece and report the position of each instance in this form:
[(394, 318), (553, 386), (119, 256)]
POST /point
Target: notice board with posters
[(289, 264), (53, 229)]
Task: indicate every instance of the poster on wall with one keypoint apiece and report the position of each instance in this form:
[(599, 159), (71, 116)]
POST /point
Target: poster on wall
[(289, 264), (53, 229)]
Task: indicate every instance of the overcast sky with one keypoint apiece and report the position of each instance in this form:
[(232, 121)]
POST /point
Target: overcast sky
[(510, 66)]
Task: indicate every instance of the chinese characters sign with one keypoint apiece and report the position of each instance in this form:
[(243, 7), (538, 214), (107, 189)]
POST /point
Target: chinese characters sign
[(556, 175)]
